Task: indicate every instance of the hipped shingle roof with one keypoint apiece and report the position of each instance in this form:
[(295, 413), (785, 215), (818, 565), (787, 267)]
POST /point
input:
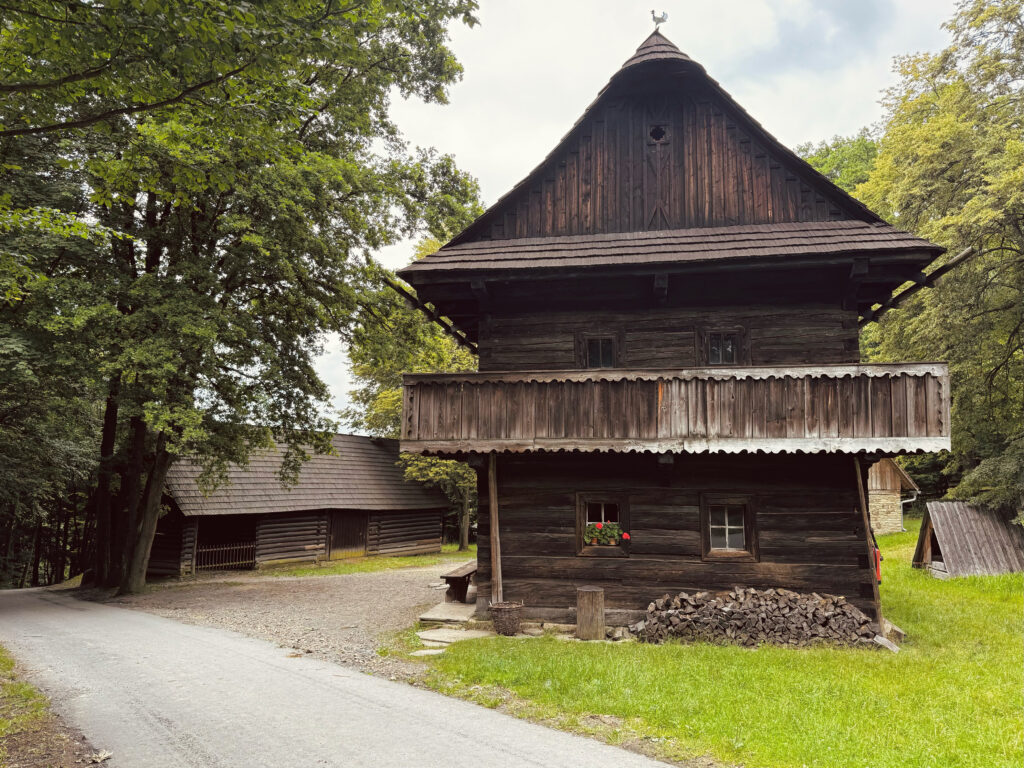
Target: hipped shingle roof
[(673, 246), (364, 475)]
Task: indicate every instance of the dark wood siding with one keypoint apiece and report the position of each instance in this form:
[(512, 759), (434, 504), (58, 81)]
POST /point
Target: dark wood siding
[(869, 408), (166, 553), (293, 536), (189, 538), (348, 534), (810, 531), (610, 175), (404, 533), (670, 338)]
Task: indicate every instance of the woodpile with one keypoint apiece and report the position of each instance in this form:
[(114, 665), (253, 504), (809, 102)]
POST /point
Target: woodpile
[(753, 616)]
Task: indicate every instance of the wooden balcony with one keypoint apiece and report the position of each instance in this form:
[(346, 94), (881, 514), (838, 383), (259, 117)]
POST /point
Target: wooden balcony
[(884, 409)]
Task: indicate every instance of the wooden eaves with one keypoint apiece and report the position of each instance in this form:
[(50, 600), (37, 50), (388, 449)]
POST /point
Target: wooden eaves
[(433, 315)]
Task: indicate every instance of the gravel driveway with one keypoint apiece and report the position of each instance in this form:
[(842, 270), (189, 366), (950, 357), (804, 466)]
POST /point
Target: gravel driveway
[(343, 619)]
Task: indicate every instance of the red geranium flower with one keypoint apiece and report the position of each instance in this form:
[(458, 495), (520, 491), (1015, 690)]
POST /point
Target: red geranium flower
[(599, 526), (625, 536)]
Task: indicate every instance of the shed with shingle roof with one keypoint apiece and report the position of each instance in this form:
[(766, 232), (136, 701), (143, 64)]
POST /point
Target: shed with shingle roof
[(960, 539), (353, 502)]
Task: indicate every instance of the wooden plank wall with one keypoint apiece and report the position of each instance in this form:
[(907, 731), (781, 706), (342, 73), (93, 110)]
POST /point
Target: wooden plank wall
[(404, 533), (291, 536), (570, 414), (611, 176), (810, 533), (670, 337)]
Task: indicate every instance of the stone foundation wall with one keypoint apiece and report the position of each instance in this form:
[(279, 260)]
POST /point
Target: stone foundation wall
[(886, 514)]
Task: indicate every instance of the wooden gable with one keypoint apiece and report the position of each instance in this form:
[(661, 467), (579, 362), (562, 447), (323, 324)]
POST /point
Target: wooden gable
[(663, 147)]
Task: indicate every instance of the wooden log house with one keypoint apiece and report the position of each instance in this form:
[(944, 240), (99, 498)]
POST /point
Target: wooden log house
[(354, 502), (666, 312)]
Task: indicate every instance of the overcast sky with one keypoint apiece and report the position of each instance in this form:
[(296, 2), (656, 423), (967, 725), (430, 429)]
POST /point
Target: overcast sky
[(807, 70)]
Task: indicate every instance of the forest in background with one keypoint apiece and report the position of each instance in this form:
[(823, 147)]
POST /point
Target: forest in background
[(180, 227)]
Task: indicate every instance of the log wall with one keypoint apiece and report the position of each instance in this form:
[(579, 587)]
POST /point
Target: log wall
[(810, 534), (404, 533), (189, 538), (166, 553), (670, 337), (293, 536)]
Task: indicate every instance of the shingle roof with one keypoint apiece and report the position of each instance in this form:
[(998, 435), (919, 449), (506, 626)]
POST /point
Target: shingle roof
[(657, 53), (656, 47), (363, 475), (674, 246), (973, 540)]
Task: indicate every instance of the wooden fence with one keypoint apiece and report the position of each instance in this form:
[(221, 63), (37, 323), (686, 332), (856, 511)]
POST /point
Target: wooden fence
[(215, 557)]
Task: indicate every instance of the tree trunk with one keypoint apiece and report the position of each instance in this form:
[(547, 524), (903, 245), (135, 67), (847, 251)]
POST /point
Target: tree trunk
[(464, 524), (37, 551), (101, 499), (124, 515), (148, 516), (60, 562)]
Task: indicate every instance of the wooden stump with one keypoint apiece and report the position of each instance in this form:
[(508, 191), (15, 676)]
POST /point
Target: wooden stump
[(590, 613)]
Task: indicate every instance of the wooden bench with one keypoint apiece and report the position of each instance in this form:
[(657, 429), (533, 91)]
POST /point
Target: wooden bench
[(458, 583)]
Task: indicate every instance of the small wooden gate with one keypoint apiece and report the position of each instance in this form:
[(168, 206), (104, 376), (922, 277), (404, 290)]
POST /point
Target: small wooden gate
[(348, 534), (226, 557)]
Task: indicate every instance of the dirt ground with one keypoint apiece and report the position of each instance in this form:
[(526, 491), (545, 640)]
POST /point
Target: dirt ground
[(43, 742), (344, 619)]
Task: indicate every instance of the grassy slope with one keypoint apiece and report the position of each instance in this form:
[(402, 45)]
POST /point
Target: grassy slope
[(449, 553), (951, 698), (22, 707)]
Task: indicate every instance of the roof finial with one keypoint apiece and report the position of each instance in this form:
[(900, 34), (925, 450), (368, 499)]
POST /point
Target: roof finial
[(659, 20)]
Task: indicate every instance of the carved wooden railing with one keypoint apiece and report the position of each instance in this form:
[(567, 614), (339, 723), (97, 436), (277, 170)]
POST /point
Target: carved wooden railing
[(890, 408)]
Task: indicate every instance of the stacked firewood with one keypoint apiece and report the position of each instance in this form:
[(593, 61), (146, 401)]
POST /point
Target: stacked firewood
[(753, 616)]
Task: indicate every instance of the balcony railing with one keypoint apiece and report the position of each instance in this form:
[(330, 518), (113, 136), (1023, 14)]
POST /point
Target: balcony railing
[(890, 408)]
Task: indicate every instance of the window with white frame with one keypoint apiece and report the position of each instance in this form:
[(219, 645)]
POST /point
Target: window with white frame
[(727, 526), (728, 529)]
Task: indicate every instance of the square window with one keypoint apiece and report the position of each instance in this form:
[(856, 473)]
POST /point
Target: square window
[(724, 347), (600, 352), (727, 523), (602, 526), (728, 530)]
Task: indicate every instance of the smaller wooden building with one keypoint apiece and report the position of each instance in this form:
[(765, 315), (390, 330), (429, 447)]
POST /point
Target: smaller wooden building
[(887, 482), (353, 503), (959, 539)]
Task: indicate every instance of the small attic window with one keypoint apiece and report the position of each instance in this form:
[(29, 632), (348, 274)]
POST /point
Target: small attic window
[(658, 133)]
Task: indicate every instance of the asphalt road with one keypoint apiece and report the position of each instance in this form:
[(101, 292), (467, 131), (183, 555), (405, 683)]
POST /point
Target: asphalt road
[(161, 694)]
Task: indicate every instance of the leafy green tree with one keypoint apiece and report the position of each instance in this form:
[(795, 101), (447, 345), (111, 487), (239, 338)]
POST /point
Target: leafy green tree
[(392, 338), (846, 160), (950, 167), (245, 211)]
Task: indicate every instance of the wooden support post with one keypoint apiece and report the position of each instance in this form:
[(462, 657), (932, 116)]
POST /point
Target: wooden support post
[(590, 613), (868, 539), (492, 496)]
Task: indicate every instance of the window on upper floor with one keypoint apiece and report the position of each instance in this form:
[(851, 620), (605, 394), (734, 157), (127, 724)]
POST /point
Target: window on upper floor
[(725, 347), (599, 352)]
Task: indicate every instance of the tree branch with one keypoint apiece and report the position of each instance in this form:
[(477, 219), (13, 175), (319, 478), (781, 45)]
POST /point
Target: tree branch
[(129, 110)]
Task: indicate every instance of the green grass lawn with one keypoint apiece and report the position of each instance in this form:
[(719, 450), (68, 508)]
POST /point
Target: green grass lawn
[(952, 697), (449, 554)]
